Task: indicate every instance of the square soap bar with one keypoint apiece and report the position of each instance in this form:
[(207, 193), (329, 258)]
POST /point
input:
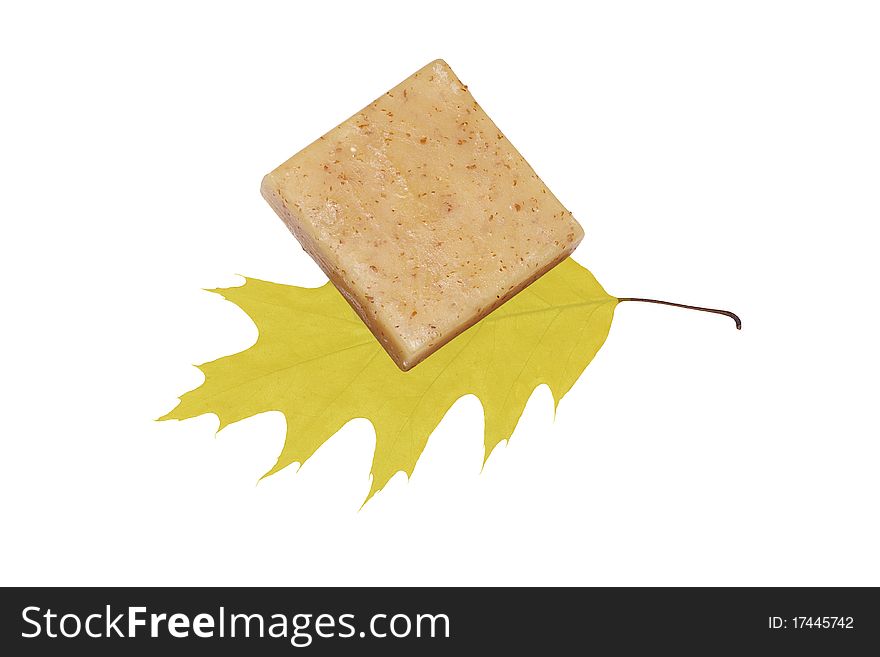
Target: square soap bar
[(422, 213)]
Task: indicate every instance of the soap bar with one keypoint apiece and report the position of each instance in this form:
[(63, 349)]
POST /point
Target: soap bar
[(422, 213)]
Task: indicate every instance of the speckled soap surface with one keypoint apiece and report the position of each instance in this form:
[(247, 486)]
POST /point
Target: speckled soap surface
[(422, 213)]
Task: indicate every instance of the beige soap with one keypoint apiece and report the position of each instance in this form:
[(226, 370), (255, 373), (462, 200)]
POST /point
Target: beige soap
[(422, 213)]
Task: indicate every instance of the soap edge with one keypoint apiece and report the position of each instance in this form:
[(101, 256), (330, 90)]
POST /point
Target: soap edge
[(270, 192), (406, 366)]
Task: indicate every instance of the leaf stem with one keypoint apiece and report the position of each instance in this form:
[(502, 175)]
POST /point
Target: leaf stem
[(733, 316)]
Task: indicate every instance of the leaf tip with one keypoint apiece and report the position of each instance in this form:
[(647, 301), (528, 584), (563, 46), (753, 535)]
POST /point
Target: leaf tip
[(488, 451), (278, 467), (366, 499), (374, 488), (170, 415), (269, 473)]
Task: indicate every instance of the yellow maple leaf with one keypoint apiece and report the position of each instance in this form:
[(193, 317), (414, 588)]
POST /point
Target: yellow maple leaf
[(317, 363)]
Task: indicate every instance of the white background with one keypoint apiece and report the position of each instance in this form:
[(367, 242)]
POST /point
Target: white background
[(723, 154)]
